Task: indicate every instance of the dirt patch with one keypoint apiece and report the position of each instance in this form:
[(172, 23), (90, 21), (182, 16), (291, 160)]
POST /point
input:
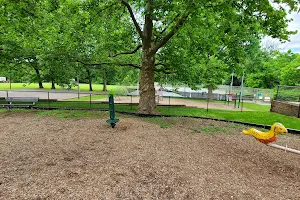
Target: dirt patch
[(50, 158)]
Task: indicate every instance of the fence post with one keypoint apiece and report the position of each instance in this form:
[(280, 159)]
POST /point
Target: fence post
[(229, 99), (242, 105), (90, 101), (239, 100), (7, 93), (207, 103), (235, 100), (48, 101), (131, 102)]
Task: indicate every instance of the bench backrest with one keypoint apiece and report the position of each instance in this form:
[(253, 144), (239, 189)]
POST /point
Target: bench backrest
[(21, 99)]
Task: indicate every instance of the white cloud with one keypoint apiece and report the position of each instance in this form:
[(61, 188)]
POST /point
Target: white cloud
[(294, 43)]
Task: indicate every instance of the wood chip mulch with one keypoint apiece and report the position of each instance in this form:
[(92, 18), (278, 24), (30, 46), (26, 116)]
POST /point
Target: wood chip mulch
[(51, 158)]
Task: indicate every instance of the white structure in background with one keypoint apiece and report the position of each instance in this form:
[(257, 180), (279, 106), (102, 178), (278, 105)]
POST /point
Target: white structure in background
[(2, 79)]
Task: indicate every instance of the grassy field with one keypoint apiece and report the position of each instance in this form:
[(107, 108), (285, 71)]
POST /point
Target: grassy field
[(83, 87), (258, 117), (88, 98)]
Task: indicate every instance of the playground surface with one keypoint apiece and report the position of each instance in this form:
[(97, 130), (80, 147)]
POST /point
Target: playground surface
[(43, 157)]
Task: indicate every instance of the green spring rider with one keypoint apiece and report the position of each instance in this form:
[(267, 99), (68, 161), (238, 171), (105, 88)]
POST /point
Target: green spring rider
[(112, 121)]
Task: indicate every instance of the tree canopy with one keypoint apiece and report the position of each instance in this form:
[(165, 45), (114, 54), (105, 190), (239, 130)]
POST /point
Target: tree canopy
[(194, 42)]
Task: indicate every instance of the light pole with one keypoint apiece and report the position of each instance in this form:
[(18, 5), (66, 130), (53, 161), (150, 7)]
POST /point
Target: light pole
[(241, 89), (230, 91)]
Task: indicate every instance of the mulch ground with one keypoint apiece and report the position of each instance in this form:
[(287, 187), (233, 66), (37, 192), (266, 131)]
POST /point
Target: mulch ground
[(51, 158)]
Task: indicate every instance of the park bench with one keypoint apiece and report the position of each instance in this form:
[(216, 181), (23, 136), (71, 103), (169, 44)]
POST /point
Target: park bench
[(19, 102)]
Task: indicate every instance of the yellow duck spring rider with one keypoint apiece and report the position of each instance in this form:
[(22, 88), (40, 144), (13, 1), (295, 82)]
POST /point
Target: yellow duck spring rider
[(267, 137), (270, 136)]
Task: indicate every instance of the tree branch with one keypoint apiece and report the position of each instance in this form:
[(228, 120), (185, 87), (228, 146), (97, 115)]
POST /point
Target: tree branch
[(165, 71), (169, 24), (138, 28), (127, 52), (111, 63), (165, 39)]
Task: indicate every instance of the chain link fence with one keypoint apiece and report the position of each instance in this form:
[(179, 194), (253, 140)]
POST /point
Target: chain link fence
[(287, 101), (288, 94)]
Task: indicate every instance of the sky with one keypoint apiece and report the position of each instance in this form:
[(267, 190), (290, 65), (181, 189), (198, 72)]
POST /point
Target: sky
[(294, 43)]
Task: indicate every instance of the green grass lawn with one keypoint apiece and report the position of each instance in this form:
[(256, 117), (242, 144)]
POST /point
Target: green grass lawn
[(88, 98), (83, 87), (258, 117)]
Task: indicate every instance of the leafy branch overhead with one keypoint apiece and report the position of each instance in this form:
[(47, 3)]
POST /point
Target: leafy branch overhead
[(194, 42)]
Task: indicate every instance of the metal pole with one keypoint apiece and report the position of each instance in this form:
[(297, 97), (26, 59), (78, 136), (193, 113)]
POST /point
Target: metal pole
[(235, 100), (239, 100), (9, 78), (241, 89), (242, 105), (231, 83), (90, 100), (131, 102), (78, 87), (6, 93), (284, 148), (48, 100), (169, 104), (225, 97), (207, 103), (229, 99)]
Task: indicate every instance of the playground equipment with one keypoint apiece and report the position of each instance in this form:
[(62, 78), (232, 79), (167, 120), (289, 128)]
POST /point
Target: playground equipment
[(270, 136), (267, 137), (112, 121)]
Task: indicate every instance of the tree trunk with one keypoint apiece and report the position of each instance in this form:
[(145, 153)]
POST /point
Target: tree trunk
[(41, 85), (90, 79), (53, 85), (210, 93), (147, 91), (90, 83), (104, 82), (37, 71)]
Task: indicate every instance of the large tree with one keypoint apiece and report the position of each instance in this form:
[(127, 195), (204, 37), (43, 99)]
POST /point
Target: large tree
[(144, 33), (158, 21)]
